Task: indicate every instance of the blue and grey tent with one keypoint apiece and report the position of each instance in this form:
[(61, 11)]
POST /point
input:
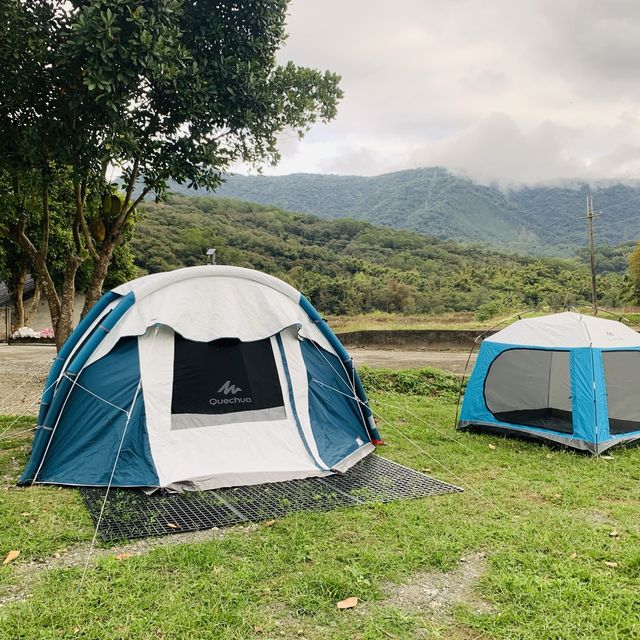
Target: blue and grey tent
[(200, 378), (568, 378)]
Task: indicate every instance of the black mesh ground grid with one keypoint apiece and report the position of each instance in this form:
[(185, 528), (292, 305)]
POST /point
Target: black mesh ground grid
[(131, 513)]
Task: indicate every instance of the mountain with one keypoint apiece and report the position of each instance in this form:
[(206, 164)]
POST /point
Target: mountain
[(532, 220), (352, 266)]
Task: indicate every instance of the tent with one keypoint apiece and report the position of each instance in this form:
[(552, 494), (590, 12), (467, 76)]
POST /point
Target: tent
[(200, 378), (568, 378)]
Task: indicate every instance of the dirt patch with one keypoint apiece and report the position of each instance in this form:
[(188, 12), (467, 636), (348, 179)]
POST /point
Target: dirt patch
[(436, 593), (27, 573), (598, 518), (453, 361), (430, 595)]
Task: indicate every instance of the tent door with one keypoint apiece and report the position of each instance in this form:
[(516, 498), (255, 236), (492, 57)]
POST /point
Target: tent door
[(531, 387), (223, 382)]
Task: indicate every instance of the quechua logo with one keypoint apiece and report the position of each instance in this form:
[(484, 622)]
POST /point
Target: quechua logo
[(230, 392), (228, 388)]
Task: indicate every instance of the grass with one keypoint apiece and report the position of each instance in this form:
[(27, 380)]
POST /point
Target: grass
[(543, 516)]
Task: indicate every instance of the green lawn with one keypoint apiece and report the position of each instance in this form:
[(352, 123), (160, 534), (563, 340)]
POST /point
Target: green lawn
[(543, 517)]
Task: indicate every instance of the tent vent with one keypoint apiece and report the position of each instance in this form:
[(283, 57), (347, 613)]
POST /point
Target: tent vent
[(130, 513)]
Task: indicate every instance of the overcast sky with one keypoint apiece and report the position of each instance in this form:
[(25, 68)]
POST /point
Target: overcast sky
[(501, 90)]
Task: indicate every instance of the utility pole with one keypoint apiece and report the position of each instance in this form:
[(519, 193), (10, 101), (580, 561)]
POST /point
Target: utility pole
[(594, 292)]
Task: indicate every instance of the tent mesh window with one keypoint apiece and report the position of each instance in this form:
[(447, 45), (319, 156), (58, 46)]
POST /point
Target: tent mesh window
[(622, 372), (531, 387), (224, 381), (131, 513)]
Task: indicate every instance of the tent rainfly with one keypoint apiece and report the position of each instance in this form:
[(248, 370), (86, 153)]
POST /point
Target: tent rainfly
[(200, 378), (568, 378)]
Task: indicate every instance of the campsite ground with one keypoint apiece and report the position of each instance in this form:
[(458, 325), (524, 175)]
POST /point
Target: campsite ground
[(543, 543)]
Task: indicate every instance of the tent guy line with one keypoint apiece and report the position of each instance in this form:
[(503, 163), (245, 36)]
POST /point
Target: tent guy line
[(95, 395), (113, 470), (28, 381), (27, 409), (389, 424)]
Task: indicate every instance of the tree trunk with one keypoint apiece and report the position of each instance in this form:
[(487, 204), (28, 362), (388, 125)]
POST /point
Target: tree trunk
[(17, 298), (64, 325), (100, 270), (33, 306)]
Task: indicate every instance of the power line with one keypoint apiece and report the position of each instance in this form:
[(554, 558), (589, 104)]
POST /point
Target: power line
[(619, 204)]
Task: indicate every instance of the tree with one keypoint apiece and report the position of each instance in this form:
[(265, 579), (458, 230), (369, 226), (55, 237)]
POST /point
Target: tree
[(634, 269), (153, 90), (14, 271)]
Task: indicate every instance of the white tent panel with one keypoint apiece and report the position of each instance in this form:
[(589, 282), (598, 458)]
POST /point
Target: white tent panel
[(568, 330), (234, 303), (217, 455)]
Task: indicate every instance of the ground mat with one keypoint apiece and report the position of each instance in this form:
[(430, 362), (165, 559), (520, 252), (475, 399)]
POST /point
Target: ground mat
[(131, 513)]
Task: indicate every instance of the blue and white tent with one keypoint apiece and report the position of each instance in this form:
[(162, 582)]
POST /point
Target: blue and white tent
[(200, 378), (568, 378)]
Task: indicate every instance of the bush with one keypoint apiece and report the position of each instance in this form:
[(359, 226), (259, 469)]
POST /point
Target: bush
[(487, 311), (417, 382)]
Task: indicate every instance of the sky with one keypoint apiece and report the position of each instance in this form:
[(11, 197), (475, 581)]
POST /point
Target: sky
[(502, 91)]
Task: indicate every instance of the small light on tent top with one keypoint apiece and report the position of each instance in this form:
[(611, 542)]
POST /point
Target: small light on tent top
[(211, 255)]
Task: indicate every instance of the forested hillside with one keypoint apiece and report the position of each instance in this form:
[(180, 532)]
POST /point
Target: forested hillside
[(351, 266), (532, 220)]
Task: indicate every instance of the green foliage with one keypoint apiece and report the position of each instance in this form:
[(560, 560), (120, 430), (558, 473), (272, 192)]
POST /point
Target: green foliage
[(634, 270), (430, 383), (151, 97), (533, 220), (488, 310), (350, 266)]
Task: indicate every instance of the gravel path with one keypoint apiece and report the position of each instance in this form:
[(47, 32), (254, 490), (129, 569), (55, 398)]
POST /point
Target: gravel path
[(23, 370)]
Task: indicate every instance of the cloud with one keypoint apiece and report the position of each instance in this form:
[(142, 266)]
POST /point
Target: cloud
[(497, 150), (525, 91)]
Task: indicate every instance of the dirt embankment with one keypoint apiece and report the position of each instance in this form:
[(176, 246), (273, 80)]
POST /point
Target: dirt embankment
[(412, 339)]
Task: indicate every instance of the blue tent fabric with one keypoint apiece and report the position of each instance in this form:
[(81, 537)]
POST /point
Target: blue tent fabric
[(347, 362), (336, 421), (292, 401), (54, 397), (88, 434)]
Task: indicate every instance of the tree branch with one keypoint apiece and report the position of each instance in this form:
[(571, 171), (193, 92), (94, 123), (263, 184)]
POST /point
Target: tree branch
[(130, 186), (38, 262), (138, 200), (80, 223), (44, 223)]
